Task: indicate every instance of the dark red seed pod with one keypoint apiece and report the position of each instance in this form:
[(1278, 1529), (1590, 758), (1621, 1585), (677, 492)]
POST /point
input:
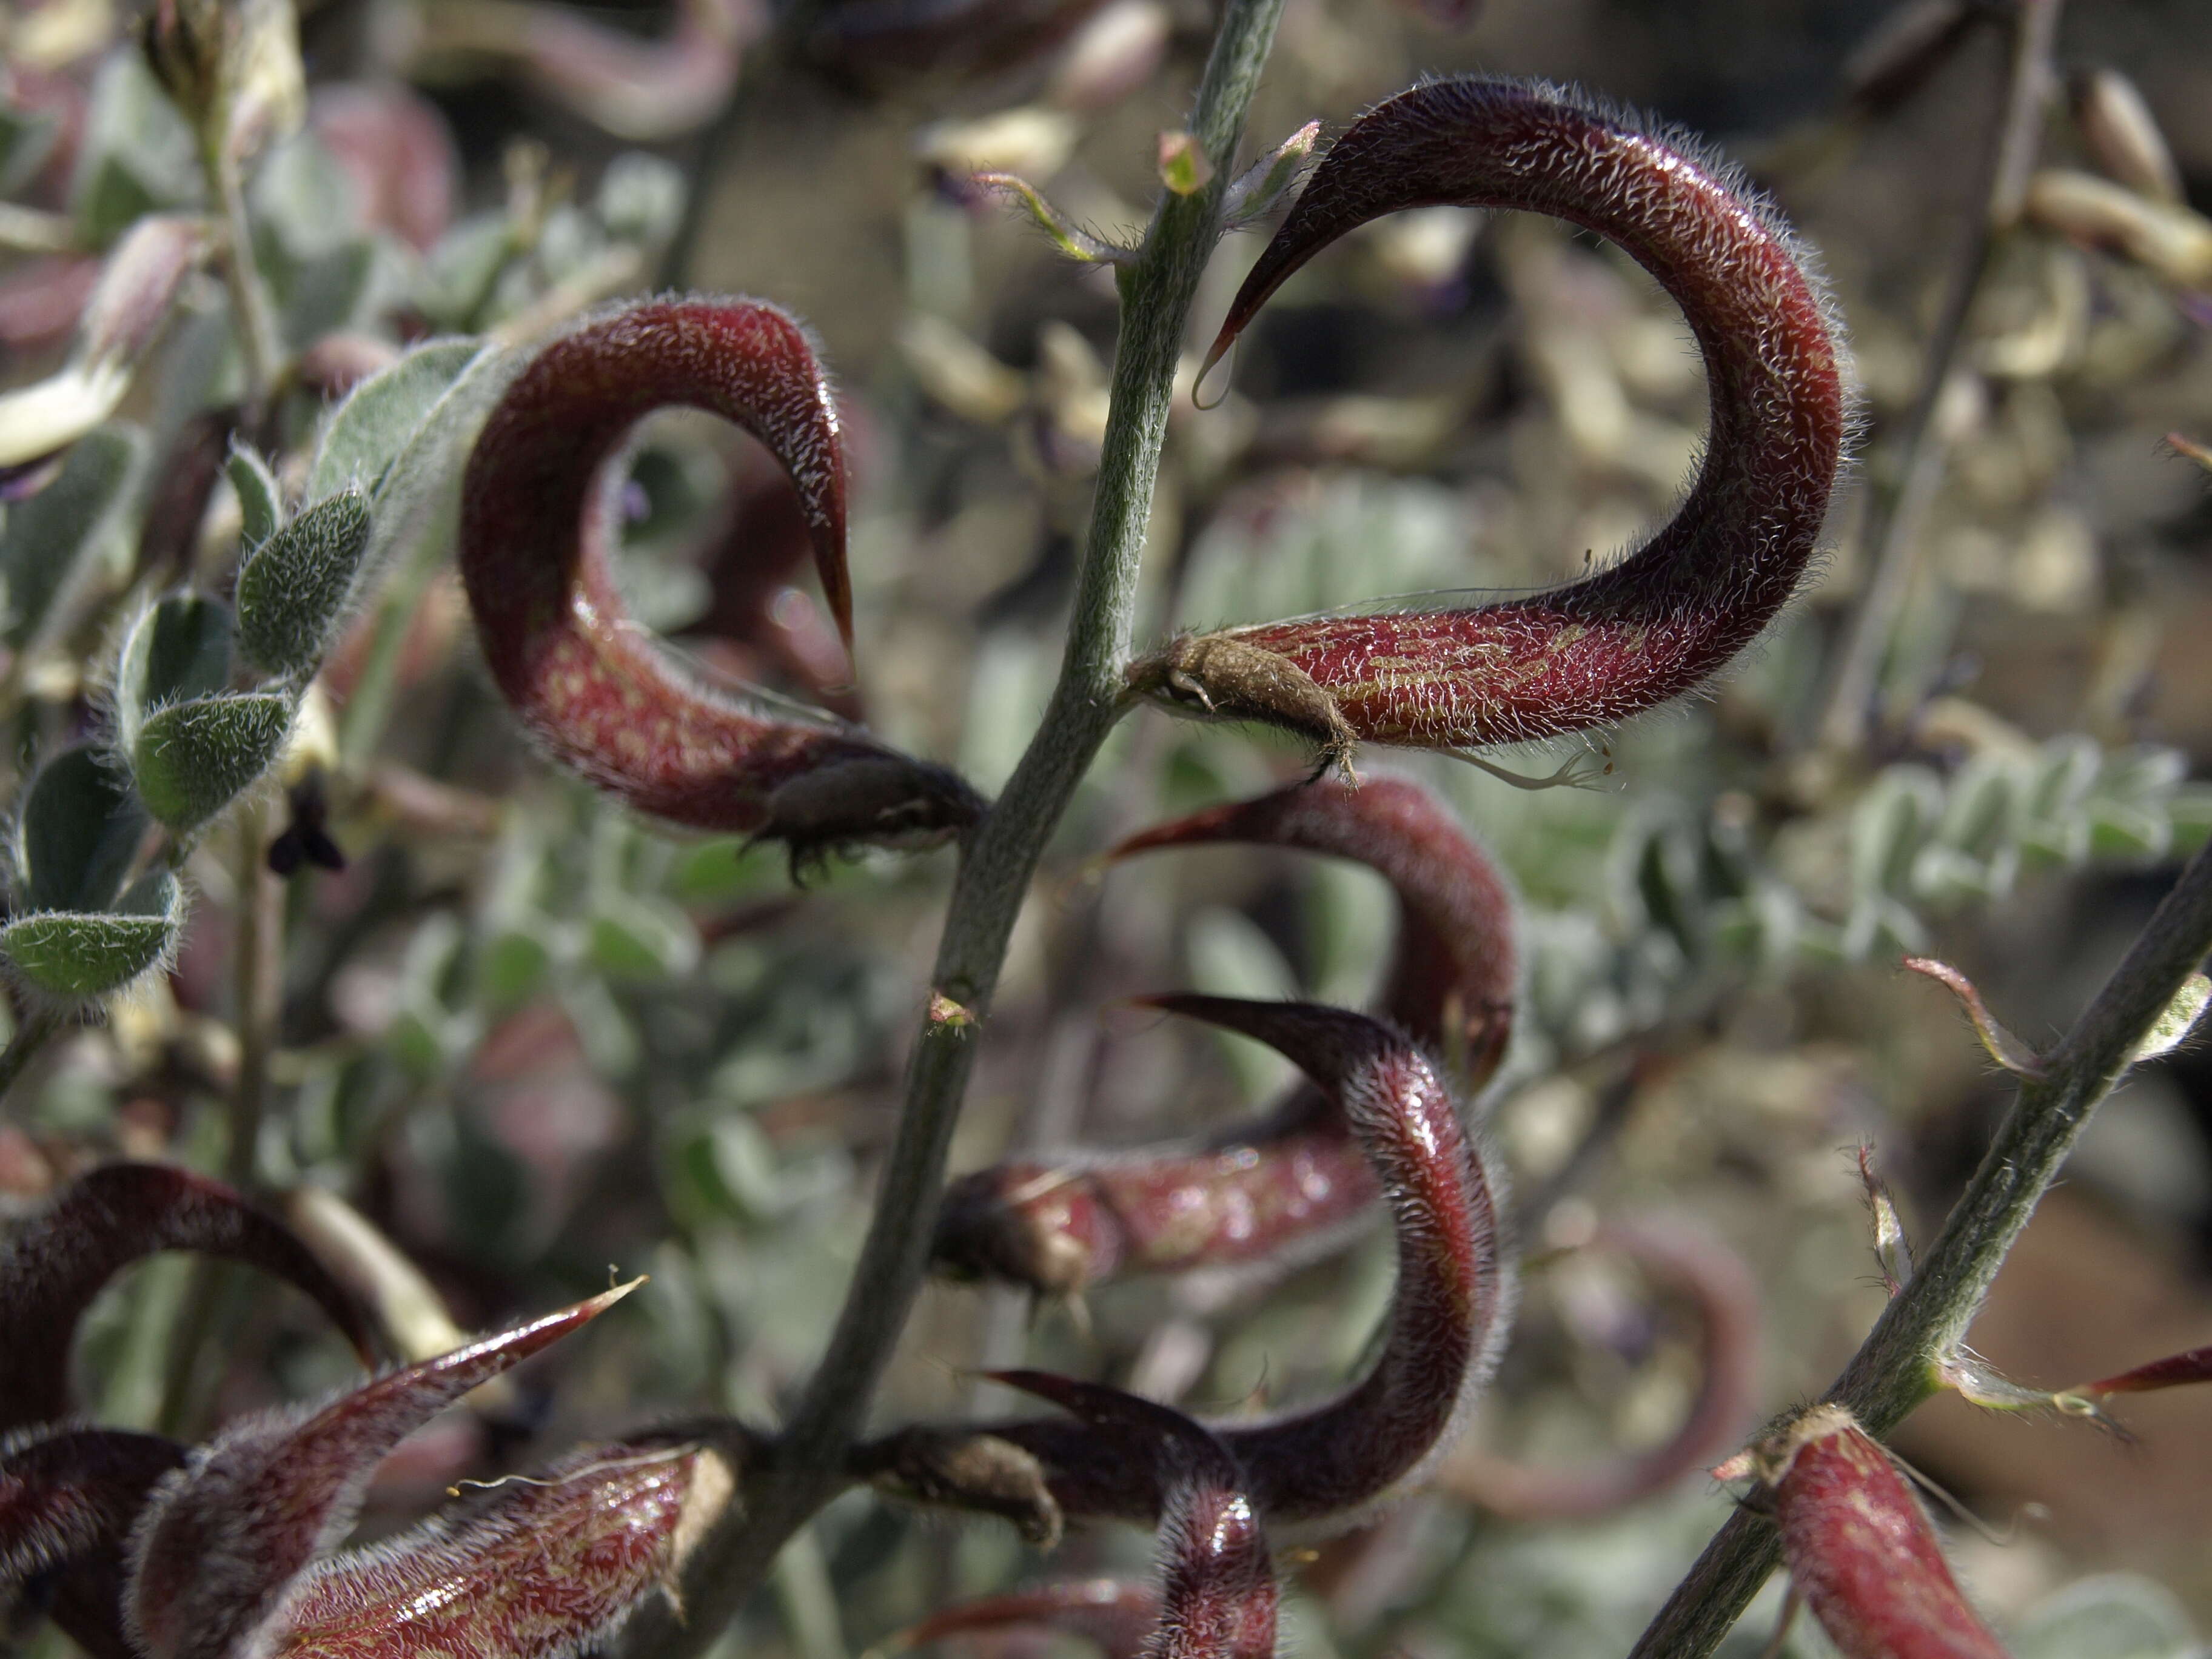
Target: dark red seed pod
[(107, 1219), (1660, 621), (604, 697), (1293, 1187), (1218, 1592), (1860, 1547), (1118, 1614), (1287, 1193), (1674, 1253), (2174, 1371), (1457, 972), (68, 1499), (543, 1568), (1448, 1318), (221, 1544)]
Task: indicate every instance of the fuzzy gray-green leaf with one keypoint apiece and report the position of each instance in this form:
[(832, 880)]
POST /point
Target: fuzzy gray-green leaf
[(50, 542), (194, 759), (76, 955), (260, 501), (82, 825), (293, 587), (177, 650), (373, 425)]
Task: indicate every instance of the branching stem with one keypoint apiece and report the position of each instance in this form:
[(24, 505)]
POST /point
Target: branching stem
[(1894, 530), (1001, 854), (1894, 1369)]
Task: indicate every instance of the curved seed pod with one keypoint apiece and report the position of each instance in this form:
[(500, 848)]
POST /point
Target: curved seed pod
[(1059, 1225), (1119, 1615), (1860, 1547), (68, 1498), (589, 683), (1658, 623), (1455, 972), (1675, 1253), (107, 1219), (220, 1544), (1447, 1319), (1218, 1592), (1291, 1187), (551, 1566)]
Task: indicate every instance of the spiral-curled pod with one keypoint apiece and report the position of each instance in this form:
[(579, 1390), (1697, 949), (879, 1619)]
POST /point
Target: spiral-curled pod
[(1658, 623)]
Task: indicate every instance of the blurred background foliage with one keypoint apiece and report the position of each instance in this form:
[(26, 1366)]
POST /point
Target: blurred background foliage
[(530, 1036)]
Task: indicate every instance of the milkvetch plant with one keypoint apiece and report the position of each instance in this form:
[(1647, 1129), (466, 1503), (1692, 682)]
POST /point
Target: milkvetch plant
[(356, 382)]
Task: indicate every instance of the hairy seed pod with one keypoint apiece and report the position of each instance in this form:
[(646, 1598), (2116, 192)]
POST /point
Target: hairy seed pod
[(1672, 1252), (549, 1566), (1455, 972), (1218, 1591), (1447, 1319), (224, 1542), (1292, 1186), (68, 1499), (1661, 621), (107, 1219), (1118, 1614), (592, 686), (1860, 1547)]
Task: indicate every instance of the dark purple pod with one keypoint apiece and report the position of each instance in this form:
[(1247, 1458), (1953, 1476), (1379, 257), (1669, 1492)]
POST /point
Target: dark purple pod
[(602, 695), (103, 1221), (69, 1498), (1217, 1593), (1658, 623), (223, 1542), (1449, 1315)]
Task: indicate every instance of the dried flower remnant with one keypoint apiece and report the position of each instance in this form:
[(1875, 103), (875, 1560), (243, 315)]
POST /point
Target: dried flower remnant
[(221, 1546), (590, 684), (1860, 1548), (136, 289), (106, 1220), (1218, 1591), (2002, 1047), (552, 1564), (1449, 1315), (1676, 1253), (1657, 624)]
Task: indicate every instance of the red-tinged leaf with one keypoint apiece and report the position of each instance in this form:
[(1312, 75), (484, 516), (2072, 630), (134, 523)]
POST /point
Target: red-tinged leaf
[(1447, 1319), (222, 1543), (1860, 1547), (68, 1499), (106, 1220), (2174, 1371), (1455, 974), (1218, 1591), (1119, 1615), (1657, 624), (593, 687), (1676, 1253), (542, 1568)]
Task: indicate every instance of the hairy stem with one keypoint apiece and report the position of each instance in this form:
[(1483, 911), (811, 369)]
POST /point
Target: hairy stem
[(1894, 530), (260, 347), (1002, 853), (1894, 1369)]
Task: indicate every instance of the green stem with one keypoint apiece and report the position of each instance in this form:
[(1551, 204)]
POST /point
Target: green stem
[(37, 1029), (1895, 530), (1001, 855), (1894, 1369), (260, 347)]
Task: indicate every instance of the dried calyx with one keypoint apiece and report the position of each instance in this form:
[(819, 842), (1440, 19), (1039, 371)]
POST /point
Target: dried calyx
[(602, 695), (1663, 620)]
